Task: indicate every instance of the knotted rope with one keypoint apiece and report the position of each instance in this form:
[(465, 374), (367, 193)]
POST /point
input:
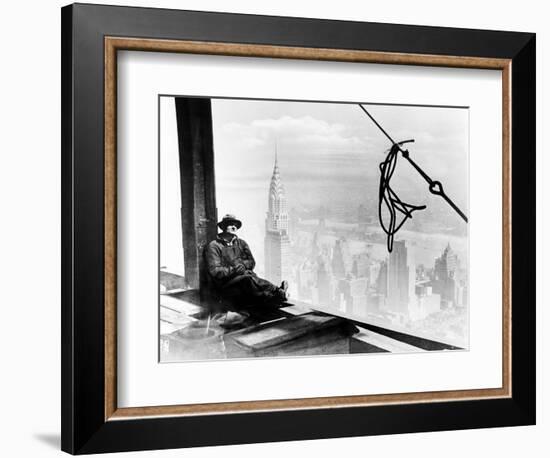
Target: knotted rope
[(387, 196)]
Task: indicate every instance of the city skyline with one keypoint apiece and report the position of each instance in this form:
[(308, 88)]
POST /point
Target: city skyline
[(390, 290)]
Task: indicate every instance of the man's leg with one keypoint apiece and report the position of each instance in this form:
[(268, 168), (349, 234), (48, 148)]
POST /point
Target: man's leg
[(274, 295), (254, 289)]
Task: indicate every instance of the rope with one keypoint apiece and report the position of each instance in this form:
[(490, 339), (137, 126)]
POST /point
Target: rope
[(388, 197)]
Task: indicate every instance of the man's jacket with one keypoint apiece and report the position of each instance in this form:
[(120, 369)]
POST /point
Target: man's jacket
[(223, 257)]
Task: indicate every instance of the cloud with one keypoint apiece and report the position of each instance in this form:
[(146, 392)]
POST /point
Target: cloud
[(315, 152), (296, 132)]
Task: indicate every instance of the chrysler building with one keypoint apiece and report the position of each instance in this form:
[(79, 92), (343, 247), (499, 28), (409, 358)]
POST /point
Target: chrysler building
[(277, 241)]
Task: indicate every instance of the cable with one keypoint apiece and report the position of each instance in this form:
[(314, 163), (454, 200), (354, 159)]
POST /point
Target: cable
[(387, 196)]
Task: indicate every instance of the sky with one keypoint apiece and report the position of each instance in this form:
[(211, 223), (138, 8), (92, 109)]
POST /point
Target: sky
[(328, 153), (320, 142)]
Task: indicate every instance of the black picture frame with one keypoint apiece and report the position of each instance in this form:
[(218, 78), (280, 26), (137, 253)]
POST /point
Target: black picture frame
[(85, 428)]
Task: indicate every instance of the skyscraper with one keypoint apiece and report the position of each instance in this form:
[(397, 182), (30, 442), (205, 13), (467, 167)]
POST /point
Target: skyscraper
[(277, 241), (445, 270), (447, 264), (314, 252), (361, 265), (325, 283), (401, 279), (354, 293), (341, 259)]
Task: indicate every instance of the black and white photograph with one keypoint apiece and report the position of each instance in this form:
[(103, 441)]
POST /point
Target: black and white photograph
[(298, 228)]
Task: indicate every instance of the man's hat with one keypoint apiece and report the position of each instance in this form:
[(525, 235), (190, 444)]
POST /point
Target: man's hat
[(229, 219)]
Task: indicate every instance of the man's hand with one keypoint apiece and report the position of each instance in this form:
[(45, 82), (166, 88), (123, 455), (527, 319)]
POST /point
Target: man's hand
[(240, 269)]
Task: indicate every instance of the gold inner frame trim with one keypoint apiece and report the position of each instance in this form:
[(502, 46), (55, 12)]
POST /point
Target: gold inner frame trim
[(114, 44)]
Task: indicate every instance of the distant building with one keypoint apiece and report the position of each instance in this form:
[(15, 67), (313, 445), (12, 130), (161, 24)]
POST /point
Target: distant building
[(447, 264), (326, 287), (341, 259), (314, 249), (361, 265), (373, 272), (426, 303), (461, 295), (421, 273), (445, 272), (382, 279), (277, 240), (306, 279), (400, 279), (353, 291)]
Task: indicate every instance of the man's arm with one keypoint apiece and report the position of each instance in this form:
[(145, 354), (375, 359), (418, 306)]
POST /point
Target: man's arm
[(246, 256), (215, 266)]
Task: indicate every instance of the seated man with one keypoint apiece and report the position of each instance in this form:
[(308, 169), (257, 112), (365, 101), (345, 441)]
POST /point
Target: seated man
[(230, 264)]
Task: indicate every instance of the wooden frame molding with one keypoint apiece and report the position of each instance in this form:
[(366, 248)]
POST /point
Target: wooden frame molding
[(114, 44)]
